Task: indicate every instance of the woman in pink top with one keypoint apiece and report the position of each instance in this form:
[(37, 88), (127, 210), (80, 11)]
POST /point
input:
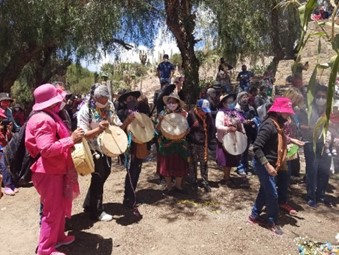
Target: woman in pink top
[(54, 177)]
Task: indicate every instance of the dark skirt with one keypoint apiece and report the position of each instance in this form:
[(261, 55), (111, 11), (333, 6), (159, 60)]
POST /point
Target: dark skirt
[(224, 159), (172, 165)]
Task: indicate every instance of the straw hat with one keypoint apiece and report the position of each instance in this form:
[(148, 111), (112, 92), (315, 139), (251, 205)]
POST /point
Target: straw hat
[(175, 96)]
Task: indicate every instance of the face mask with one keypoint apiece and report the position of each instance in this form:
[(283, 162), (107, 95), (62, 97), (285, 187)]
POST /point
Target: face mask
[(99, 105), (243, 102), (231, 106), (172, 106), (62, 105), (56, 108), (320, 101), (281, 120), (131, 105)]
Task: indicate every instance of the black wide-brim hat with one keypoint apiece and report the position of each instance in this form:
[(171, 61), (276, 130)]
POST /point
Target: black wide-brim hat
[(224, 97), (124, 96)]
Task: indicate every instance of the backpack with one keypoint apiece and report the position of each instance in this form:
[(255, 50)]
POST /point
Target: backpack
[(17, 158)]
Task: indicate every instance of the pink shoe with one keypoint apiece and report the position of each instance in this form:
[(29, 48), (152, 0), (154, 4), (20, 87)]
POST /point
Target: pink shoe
[(67, 240), (8, 191), (16, 190)]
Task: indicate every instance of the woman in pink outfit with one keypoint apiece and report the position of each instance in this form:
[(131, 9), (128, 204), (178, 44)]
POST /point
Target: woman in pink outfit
[(49, 142)]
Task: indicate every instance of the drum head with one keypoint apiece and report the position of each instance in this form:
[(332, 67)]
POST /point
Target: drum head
[(174, 126), (235, 143), (113, 141), (82, 158), (142, 128)]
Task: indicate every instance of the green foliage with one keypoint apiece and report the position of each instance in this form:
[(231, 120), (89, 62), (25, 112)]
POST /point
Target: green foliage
[(69, 29), (246, 29), (79, 79), (305, 13)]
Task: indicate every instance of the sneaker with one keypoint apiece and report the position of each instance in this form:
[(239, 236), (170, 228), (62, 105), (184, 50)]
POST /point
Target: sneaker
[(57, 253), (326, 202), (8, 191), (312, 203), (241, 172), (276, 229), (289, 209), (105, 217), (328, 152), (334, 152), (255, 220), (67, 240)]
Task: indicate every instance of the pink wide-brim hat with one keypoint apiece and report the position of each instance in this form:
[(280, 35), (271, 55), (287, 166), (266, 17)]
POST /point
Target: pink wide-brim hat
[(282, 105), (45, 96)]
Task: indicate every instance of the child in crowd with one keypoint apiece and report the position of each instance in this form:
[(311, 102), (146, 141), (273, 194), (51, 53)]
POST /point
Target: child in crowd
[(201, 133)]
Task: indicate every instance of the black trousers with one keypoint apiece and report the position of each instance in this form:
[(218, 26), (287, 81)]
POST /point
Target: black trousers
[(93, 200), (131, 181)]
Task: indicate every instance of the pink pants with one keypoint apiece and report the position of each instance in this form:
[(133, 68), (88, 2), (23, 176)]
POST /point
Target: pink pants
[(50, 188)]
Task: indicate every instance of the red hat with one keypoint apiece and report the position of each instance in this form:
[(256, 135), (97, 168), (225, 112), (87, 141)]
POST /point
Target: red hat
[(282, 105), (2, 114)]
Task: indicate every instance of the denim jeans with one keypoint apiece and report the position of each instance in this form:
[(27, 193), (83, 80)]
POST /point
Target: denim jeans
[(283, 183), (243, 165), (267, 196), (6, 176), (317, 171)]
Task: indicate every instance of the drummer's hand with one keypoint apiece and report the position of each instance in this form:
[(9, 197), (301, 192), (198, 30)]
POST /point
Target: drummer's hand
[(247, 122), (103, 124), (77, 135), (270, 169), (131, 117), (231, 129), (297, 142)]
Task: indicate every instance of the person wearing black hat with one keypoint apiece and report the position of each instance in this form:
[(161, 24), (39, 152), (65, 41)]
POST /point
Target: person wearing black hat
[(5, 102), (136, 153)]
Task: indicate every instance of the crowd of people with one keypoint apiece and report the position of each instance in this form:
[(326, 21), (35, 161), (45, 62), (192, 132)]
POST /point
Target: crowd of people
[(226, 124)]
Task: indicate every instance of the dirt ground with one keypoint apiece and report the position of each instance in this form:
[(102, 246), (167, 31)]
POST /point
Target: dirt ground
[(213, 223)]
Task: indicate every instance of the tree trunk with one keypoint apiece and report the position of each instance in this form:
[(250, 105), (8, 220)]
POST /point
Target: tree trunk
[(278, 51), (181, 22)]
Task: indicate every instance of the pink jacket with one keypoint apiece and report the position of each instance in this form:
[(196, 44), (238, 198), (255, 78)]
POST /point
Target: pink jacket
[(55, 150)]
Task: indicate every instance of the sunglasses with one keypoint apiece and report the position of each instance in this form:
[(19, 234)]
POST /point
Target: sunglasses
[(323, 97)]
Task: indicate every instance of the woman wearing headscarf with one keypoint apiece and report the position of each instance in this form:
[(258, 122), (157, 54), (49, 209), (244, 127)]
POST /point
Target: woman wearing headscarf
[(95, 115), (48, 141), (227, 120), (270, 149)]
